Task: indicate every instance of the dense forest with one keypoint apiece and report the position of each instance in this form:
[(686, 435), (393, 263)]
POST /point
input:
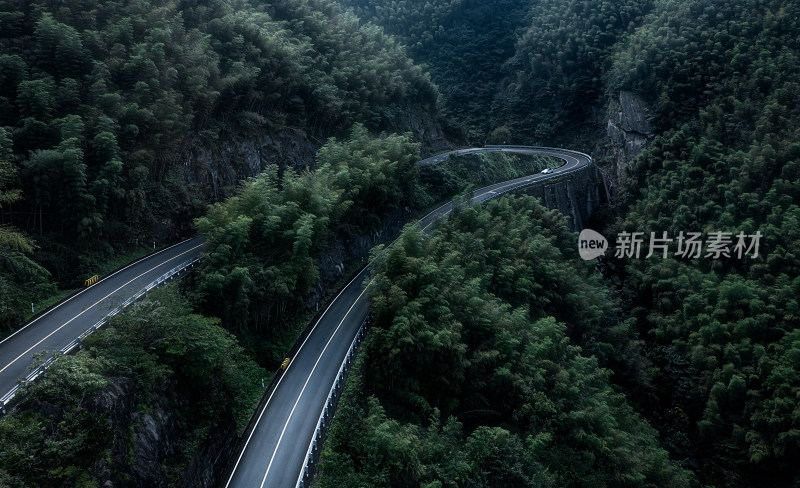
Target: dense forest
[(263, 258), (472, 376), (495, 356), (513, 68), (464, 44), (712, 364), (99, 102), (722, 334), (266, 244), (82, 422)]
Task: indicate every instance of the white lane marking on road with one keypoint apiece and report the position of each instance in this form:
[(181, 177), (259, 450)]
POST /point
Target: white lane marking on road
[(149, 256), (283, 432), (93, 305), (283, 375)]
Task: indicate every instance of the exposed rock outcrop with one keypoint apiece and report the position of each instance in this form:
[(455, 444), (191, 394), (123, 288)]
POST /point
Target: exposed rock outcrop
[(218, 166), (425, 130), (147, 437), (575, 196), (339, 254), (627, 131)]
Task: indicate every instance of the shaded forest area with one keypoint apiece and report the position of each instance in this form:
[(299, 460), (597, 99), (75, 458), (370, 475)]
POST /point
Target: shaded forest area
[(513, 69), (716, 371), (496, 358), (722, 334), (266, 244), (134, 405), (247, 303)]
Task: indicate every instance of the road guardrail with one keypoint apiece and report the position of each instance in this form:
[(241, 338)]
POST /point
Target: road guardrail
[(326, 416), (39, 370)]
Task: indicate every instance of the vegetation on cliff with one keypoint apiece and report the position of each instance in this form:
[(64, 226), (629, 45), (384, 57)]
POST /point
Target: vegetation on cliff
[(495, 359), (513, 69), (717, 373), (723, 334)]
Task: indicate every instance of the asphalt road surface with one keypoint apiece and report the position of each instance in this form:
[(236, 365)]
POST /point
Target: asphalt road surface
[(62, 324), (275, 451)]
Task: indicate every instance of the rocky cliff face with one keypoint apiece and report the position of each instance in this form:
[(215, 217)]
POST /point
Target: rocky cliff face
[(576, 196), (627, 133), (217, 166), (147, 435), (343, 253), (424, 128)]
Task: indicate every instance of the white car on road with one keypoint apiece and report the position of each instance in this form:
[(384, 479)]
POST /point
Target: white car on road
[(547, 171)]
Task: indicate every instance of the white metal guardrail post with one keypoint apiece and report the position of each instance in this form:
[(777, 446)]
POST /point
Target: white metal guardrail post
[(39, 370)]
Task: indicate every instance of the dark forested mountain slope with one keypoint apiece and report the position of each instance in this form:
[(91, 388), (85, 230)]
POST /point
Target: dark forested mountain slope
[(513, 68), (723, 80), (470, 377), (554, 80), (97, 98), (464, 44)]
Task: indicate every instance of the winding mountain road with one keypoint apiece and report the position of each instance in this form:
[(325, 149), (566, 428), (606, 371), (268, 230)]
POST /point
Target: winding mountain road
[(274, 453)]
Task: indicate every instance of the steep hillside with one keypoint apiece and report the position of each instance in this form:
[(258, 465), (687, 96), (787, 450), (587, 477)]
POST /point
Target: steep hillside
[(464, 44), (722, 80), (496, 358), (513, 70), (472, 377)]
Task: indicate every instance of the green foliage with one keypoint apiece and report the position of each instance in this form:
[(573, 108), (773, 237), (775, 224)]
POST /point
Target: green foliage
[(56, 444), (554, 77), (733, 62), (512, 69), (720, 80), (160, 338), (721, 333), (102, 99), (262, 242), (21, 279), (464, 43), (441, 181), (473, 325)]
